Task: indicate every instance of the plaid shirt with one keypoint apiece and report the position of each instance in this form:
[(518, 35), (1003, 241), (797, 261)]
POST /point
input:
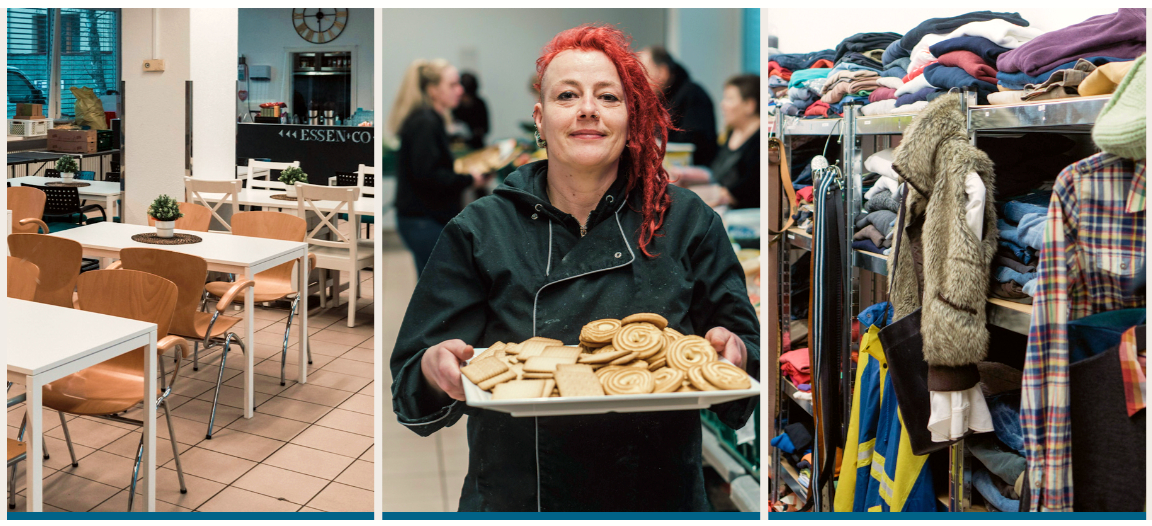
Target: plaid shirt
[(1132, 365), (1092, 257)]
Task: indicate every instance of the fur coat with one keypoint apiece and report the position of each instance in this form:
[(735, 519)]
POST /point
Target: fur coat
[(943, 268)]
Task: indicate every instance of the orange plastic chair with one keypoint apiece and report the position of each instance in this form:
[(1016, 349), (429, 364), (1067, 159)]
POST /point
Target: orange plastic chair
[(27, 206), (189, 273), (59, 262), (112, 387), (276, 283), (196, 217)]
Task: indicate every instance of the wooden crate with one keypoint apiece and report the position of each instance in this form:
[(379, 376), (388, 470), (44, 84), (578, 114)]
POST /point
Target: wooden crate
[(72, 141)]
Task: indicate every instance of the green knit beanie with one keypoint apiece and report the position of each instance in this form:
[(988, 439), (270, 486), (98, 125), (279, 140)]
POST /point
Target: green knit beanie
[(1120, 129)]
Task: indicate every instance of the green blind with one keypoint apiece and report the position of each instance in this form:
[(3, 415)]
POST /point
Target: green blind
[(88, 53), (29, 63), (752, 41)]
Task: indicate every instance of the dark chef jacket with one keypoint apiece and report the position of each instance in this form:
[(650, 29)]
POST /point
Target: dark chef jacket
[(512, 266)]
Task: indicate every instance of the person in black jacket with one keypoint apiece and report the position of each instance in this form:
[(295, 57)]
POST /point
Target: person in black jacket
[(736, 169), (593, 232), (429, 193), (693, 116), (472, 111)]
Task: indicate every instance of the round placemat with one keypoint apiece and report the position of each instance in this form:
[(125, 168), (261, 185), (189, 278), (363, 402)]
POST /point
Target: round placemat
[(179, 239), (70, 185), (282, 197)]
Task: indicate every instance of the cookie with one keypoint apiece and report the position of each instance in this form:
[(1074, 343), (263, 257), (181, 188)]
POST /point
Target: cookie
[(689, 351), (549, 386), (696, 376), (726, 376), (655, 319), (602, 356), (541, 339), (641, 338), (626, 359), (658, 364), (505, 376), (519, 389), (605, 370), (637, 363), (538, 376), (599, 332), (628, 381), (517, 368), (529, 349), (490, 351), (483, 369), (546, 364), (668, 380), (512, 348), (576, 382), (561, 352), (686, 389), (578, 367)]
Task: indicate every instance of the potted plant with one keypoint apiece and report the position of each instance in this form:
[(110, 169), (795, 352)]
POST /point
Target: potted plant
[(67, 167), (165, 211), (292, 175)]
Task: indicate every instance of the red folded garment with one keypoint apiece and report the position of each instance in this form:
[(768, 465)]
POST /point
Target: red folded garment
[(817, 109), (882, 93), (776, 69), (971, 63), (916, 72), (804, 194), (822, 63), (795, 365)]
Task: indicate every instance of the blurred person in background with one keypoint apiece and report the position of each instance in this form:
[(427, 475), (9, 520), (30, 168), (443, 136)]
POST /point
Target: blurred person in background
[(472, 111), (736, 169), (693, 116), (429, 193)]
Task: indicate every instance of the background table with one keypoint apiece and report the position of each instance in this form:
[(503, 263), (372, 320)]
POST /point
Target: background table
[(39, 353), (224, 253), (29, 157), (365, 206), (96, 190)]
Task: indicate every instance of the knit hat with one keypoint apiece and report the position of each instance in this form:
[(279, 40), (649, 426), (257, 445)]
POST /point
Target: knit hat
[(1121, 127)]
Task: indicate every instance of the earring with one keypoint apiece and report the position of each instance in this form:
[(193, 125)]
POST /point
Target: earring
[(540, 142)]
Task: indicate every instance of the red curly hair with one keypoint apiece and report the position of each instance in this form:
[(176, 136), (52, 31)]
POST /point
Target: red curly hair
[(648, 119)]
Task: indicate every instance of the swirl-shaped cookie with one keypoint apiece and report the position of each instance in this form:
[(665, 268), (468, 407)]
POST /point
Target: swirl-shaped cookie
[(643, 339), (655, 319), (668, 380), (628, 381), (599, 332), (689, 351), (696, 377), (726, 376)]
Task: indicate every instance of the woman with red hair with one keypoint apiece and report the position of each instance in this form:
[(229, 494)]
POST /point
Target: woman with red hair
[(595, 231)]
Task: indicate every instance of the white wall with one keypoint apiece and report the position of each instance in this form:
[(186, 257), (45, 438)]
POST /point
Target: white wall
[(804, 30), (500, 45), (708, 43), (213, 73), (154, 108), (267, 35)]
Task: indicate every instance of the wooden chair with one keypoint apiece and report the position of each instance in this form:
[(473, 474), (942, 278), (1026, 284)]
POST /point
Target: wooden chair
[(196, 217), (189, 273), (344, 253), (271, 182), (112, 387), (27, 206), (22, 276), (195, 188), (276, 283), (58, 260)]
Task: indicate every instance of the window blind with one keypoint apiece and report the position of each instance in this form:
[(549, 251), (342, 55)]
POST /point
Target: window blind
[(89, 53), (29, 60)]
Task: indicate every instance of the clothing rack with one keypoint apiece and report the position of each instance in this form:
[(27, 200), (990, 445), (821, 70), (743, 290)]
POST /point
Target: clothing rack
[(865, 277)]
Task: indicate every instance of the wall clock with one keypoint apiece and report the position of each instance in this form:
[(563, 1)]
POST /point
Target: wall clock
[(320, 25)]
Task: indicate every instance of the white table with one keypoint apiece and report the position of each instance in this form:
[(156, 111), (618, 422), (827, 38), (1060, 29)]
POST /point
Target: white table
[(224, 253), (38, 355), (106, 191), (365, 206)]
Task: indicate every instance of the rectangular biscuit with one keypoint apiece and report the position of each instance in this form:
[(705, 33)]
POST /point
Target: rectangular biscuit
[(558, 351), (519, 389), (546, 364), (537, 376), (488, 384), (483, 369), (574, 367), (541, 339), (576, 382), (549, 386)]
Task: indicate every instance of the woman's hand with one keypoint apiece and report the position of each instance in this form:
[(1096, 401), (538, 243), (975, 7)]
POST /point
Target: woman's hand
[(727, 345), (479, 178), (441, 366)]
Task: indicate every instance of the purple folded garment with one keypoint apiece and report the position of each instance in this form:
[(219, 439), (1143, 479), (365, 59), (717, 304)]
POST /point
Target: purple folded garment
[(909, 98), (1122, 35), (880, 94)]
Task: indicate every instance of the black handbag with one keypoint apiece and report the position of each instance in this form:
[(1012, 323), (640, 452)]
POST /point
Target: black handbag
[(904, 349)]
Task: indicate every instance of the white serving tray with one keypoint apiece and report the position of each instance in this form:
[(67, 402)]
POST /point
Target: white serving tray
[(598, 405)]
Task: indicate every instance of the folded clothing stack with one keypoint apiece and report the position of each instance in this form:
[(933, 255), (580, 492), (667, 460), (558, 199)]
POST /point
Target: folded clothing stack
[(865, 49), (795, 366), (1021, 238)]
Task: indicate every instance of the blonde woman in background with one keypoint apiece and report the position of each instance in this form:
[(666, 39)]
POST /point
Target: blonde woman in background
[(428, 192)]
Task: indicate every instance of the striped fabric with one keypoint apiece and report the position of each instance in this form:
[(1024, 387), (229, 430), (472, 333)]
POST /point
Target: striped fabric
[(1132, 369), (1091, 261)]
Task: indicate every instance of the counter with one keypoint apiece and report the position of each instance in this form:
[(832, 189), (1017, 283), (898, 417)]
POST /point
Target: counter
[(321, 150)]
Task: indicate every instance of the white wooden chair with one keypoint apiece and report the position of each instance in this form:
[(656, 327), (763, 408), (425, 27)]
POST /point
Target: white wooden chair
[(255, 167), (195, 189), (342, 253)]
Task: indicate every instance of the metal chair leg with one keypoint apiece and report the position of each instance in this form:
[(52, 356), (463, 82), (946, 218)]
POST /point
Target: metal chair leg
[(135, 472), (196, 356), (12, 486), (68, 439), (219, 382), (287, 332), (175, 448)]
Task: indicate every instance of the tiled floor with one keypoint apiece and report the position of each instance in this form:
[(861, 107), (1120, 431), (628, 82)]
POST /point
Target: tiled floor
[(307, 448), (419, 474)]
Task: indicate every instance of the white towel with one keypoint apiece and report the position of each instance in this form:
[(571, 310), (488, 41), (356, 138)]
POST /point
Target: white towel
[(913, 86)]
